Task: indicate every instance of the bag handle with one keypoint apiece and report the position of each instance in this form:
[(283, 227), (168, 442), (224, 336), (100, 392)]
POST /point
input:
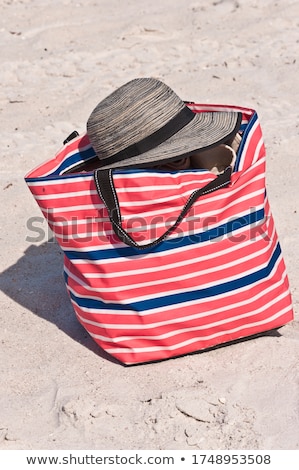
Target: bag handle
[(106, 190)]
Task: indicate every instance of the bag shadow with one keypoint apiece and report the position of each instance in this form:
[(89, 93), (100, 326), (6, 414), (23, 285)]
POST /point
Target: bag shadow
[(36, 282)]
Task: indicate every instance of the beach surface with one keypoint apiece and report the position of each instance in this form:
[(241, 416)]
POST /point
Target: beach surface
[(59, 58)]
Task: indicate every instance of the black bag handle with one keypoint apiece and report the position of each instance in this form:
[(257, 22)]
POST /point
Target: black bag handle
[(106, 190)]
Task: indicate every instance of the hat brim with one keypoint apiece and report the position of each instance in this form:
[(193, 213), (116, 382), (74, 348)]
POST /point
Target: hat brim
[(206, 130)]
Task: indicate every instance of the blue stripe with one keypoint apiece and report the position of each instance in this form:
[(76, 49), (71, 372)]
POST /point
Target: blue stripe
[(54, 177), (73, 160), (173, 299), (170, 244), (247, 129)]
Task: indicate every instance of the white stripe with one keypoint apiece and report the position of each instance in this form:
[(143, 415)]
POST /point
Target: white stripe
[(190, 303), (179, 320), (66, 195), (176, 332), (104, 234), (72, 178), (119, 260), (247, 143), (136, 189), (163, 187), (66, 238), (169, 210), (199, 272), (62, 210), (149, 228), (131, 286), (88, 220), (66, 179), (257, 151), (215, 196), (246, 197), (148, 202), (162, 266), (159, 174), (194, 340), (141, 298)]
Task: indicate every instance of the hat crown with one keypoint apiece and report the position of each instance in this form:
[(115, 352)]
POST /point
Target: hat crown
[(131, 113)]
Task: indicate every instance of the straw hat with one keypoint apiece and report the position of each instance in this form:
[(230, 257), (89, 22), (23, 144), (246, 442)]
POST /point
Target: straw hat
[(145, 123)]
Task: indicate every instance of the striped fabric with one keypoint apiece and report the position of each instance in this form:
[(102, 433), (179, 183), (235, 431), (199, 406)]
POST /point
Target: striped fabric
[(218, 277)]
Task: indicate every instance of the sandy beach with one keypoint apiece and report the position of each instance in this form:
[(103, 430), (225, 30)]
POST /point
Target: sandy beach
[(58, 390)]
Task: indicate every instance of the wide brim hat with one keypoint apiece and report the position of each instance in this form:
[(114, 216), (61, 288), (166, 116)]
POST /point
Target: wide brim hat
[(144, 123)]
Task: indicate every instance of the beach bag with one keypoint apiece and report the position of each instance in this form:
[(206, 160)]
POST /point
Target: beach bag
[(161, 264)]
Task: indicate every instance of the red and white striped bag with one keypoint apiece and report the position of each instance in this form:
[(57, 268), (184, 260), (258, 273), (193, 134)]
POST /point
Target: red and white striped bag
[(161, 264)]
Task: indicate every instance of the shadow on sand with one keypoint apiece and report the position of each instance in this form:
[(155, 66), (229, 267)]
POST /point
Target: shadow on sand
[(36, 282)]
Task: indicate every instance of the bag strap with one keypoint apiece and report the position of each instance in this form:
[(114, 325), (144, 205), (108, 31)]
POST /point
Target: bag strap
[(106, 190)]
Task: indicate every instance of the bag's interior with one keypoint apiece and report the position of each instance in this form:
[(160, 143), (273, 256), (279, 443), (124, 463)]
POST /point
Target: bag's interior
[(215, 159)]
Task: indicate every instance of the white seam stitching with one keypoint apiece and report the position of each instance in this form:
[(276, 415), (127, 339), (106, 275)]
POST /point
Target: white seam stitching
[(111, 220), (114, 195), (214, 189), (99, 190)]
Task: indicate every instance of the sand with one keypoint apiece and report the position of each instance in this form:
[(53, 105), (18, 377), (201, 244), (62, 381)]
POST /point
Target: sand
[(58, 59)]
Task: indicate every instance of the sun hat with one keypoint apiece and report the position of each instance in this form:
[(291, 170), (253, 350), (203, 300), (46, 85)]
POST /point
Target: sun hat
[(145, 123)]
